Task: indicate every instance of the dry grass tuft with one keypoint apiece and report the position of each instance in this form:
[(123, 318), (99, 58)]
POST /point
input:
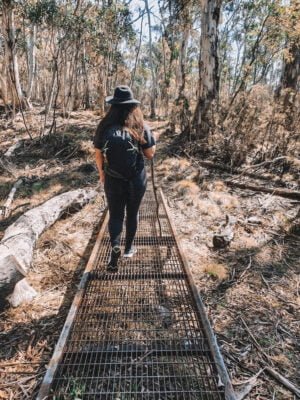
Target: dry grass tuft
[(177, 168), (187, 188), (87, 147), (218, 186), (224, 200), (269, 254), (217, 271), (206, 207), (243, 242)]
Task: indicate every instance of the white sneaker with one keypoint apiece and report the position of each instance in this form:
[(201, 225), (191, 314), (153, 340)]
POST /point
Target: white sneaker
[(130, 253)]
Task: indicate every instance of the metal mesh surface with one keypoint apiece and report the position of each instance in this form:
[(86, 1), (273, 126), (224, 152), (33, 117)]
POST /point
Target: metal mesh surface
[(137, 333)]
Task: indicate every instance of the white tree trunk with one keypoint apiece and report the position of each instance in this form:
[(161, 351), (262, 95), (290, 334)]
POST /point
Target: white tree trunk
[(17, 245), (11, 52), (31, 48), (153, 80)]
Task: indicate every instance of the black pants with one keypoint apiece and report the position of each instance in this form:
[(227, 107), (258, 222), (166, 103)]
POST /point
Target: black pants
[(123, 195)]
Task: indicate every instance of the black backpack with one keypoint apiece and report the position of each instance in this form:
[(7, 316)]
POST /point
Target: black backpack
[(122, 154)]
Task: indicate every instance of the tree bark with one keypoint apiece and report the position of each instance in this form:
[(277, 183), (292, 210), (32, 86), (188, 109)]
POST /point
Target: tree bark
[(5, 212), (291, 67), (87, 99), (31, 48), (11, 51), (182, 102), (208, 66), (137, 53), (52, 90), (291, 70), (74, 82), (17, 245), (153, 84)]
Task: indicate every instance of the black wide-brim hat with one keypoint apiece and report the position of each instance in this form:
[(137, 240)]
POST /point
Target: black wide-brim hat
[(122, 95)]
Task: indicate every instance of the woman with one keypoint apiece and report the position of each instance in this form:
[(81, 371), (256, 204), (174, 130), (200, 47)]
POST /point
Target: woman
[(121, 141)]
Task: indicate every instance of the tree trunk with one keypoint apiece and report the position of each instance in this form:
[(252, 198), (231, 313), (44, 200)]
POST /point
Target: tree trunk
[(17, 245), (153, 84), (137, 53), (183, 113), (3, 89), (87, 100), (291, 70), (51, 92), (11, 51), (74, 82), (208, 66), (31, 60), (291, 67)]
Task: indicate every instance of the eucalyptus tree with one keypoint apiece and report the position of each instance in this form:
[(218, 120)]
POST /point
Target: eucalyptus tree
[(208, 66), (290, 17), (153, 80), (9, 34)]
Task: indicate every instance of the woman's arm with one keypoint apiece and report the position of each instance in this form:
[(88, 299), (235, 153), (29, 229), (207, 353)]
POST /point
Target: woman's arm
[(99, 162), (149, 153)]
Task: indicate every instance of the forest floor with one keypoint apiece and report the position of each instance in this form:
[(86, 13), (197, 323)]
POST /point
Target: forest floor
[(251, 288)]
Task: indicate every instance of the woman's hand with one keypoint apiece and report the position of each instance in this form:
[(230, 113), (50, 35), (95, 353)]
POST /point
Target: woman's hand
[(149, 153)]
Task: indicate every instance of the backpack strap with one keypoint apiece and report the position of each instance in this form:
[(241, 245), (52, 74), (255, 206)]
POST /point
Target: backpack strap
[(113, 174)]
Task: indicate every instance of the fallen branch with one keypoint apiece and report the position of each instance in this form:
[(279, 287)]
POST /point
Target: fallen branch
[(4, 213), (267, 162), (248, 386), (290, 194), (285, 382), (17, 245), (13, 148), (237, 171), (254, 341), (281, 379)]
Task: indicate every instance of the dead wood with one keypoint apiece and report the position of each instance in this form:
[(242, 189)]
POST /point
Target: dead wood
[(13, 148), (17, 245), (254, 341), (285, 382), (22, 293), (248, 386), (290, 194), (237, 171), (281, 379), (4, 213), (225, 235)]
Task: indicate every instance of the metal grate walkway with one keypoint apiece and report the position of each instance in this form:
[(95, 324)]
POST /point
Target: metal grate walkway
[(141, 333)]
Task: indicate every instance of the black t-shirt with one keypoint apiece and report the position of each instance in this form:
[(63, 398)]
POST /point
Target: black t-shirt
[(123, 154)]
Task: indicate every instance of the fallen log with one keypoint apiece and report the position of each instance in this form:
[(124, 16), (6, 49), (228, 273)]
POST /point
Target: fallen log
[(290, 194), (17, 245), (4, 213)]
